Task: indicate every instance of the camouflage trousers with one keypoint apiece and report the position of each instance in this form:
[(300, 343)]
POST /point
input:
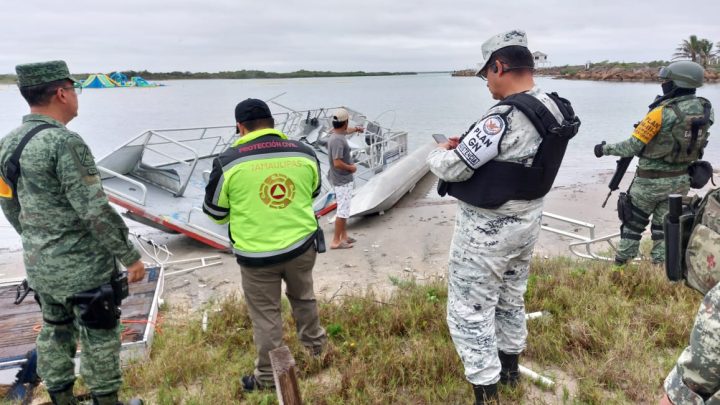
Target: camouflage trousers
[(649, 198), (488, 271), (57, 345), (695, 378)]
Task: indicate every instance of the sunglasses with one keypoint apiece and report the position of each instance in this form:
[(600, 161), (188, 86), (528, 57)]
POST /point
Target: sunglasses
[(76, 86)]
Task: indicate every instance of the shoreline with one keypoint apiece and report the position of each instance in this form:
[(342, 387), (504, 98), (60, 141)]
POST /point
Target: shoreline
[(409, 242), (633, 73)]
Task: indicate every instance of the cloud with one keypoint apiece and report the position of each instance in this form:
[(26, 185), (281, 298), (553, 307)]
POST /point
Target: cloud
[(372, 35)]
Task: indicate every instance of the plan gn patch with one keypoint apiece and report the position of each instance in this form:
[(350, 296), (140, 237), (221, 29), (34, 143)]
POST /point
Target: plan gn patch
[(482, 142)]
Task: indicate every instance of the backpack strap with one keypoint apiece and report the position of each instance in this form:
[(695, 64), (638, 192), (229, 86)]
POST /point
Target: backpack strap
[(697, 123), (542, 118), (12, 165)]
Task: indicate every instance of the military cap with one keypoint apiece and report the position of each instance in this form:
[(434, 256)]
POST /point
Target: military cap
[(499, 41), (33, 74)]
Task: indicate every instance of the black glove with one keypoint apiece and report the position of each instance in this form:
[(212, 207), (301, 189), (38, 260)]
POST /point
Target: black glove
[(599, 149)]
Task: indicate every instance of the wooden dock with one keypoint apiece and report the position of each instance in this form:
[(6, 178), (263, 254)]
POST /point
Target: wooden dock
[(20, 324)]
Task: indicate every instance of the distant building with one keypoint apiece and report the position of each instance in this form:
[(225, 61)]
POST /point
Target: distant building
[(540, 59)]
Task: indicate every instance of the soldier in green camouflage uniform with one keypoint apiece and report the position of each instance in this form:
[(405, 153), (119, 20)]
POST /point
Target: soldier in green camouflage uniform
[(71, 235), (663, 165)]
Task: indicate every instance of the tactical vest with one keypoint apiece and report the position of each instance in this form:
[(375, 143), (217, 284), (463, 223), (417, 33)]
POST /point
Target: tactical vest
[(496, 182), (692, 240), (687, 139), (702, 257)]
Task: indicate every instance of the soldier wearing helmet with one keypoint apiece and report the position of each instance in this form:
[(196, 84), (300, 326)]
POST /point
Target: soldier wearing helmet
[(670, 140)]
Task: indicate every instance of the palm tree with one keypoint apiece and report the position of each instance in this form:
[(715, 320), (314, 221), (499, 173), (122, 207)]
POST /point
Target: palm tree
[(688, 49), (705, 52)]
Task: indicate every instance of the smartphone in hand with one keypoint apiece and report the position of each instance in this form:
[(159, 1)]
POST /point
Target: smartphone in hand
[(439, 138)]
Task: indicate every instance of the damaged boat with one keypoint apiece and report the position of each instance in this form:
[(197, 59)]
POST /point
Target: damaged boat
[(159, 176)]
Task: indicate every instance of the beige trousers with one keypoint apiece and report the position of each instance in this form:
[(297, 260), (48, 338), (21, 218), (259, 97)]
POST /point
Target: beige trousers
[(262, 288)]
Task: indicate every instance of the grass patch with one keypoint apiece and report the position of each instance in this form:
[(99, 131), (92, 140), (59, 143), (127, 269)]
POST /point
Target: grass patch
[(617, 334)]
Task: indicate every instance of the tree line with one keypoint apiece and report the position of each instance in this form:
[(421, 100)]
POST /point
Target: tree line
[(253, 74)]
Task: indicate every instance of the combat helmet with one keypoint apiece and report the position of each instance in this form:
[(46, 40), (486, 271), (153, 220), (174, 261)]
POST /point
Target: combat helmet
[(684, 73)]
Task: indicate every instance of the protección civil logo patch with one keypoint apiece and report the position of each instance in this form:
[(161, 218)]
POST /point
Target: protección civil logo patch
[(277, 191)]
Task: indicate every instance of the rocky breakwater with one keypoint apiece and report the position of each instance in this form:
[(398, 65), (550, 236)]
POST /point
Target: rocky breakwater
[(615, 73), (464, 73)]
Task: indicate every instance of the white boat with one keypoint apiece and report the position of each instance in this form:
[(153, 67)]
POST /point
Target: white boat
[(159, 176)]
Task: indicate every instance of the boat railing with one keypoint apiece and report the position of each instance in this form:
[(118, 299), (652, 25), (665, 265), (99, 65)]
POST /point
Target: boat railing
[(374, 157), (585, 242), (141, 186), (159, 148)]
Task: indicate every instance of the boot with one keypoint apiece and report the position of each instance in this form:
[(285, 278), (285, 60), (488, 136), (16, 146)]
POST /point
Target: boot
[(63, 396), (509, 370), (112, 399), (486, 394), (106, 399)]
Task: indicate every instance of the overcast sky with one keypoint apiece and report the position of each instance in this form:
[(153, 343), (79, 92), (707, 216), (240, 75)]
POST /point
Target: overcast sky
[(370, 35)]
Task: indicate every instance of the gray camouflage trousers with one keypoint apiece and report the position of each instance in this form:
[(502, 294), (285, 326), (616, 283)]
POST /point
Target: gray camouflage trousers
[(58, 342), (488, 271), (649, 197), (695, 379)]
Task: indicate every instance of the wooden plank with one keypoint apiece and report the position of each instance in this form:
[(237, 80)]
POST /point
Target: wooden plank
[(286, 383), (19, 324)]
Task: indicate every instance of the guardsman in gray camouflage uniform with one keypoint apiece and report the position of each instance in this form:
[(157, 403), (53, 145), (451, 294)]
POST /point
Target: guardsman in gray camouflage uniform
[(491, 247), (667, 145), (695, 379), (71, 235)]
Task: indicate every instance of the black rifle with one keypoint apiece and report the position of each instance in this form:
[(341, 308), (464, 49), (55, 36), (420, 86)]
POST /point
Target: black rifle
[(620, 169)]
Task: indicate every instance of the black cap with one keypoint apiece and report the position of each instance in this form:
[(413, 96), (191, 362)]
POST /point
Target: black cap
[(251, 109)]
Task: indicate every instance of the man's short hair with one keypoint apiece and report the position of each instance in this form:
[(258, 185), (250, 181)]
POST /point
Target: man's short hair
[(41, 94), (260, 123), (516, 57), (339, 124)]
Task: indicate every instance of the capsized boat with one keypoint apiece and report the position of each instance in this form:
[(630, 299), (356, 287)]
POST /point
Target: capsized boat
[(159, 176)]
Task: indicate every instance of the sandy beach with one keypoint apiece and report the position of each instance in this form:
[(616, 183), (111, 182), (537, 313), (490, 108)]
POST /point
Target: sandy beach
[(409, 241)]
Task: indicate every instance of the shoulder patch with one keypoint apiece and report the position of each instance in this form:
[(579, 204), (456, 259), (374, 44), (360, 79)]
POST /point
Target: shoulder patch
[(84, 160), (650, 126), (482, 143), (84, 156)]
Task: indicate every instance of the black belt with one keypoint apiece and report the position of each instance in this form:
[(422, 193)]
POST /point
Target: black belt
[(654, 174)]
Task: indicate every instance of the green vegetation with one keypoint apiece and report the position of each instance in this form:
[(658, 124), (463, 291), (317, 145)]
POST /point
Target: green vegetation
[(630, 65), (697, 50), (615, 335), (255, 74), (8, 79)]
